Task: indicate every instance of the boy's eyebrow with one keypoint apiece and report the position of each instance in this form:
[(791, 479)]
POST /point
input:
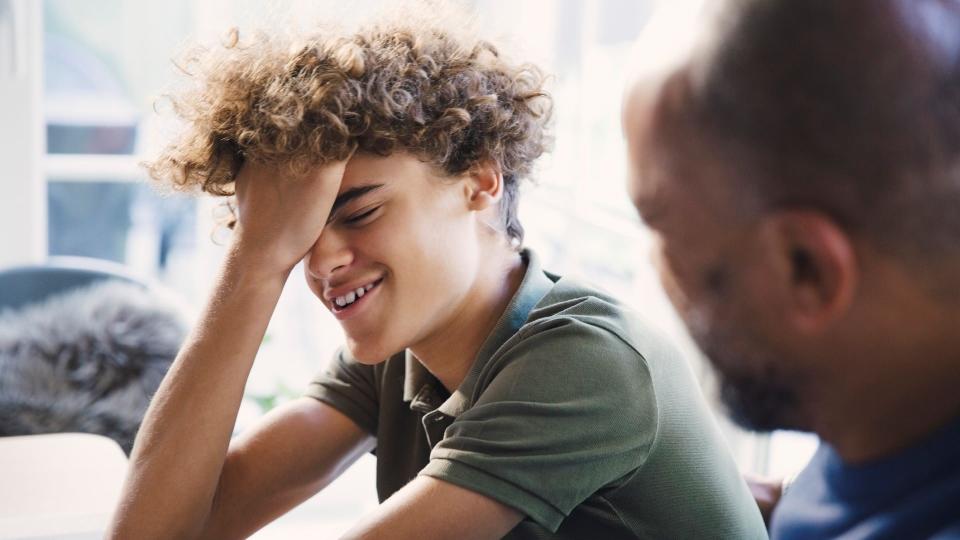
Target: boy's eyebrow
[(352, 194)]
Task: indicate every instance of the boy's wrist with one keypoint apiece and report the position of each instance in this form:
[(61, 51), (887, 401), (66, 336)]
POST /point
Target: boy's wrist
[(247, 267)]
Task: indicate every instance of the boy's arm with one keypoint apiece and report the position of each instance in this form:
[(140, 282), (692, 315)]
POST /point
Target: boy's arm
[(180, 476), (432, 509), (298, 449)]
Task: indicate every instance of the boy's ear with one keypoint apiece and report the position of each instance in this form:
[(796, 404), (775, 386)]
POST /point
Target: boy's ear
[(484, 185)]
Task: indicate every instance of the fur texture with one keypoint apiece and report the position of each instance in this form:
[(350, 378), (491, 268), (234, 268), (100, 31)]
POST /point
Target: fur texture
[(87, 361)]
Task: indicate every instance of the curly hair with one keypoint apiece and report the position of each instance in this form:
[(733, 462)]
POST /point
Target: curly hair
[(452, 101)]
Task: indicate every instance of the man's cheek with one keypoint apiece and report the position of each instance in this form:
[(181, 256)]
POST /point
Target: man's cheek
[(672, 285)]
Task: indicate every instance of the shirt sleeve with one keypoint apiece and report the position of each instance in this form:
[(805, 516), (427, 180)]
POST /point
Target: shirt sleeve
[(350, 387), (569, 410)]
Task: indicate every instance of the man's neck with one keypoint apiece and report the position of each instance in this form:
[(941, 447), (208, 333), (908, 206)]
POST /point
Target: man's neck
[(893, 413), (871, 442), (449, 354)]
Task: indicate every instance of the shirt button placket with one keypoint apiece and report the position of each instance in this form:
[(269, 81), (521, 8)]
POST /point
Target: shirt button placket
[(433, 425)]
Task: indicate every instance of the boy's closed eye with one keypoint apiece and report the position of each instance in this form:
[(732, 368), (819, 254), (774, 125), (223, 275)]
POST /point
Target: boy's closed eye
[(351, 197), (362, 216)]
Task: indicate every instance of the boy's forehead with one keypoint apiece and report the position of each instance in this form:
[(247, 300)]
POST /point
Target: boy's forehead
[(389, 171), (360, 173), (357, 168), (368, 168)]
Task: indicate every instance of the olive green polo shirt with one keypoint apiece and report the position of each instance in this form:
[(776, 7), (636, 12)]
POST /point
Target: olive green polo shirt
[(574, 412)]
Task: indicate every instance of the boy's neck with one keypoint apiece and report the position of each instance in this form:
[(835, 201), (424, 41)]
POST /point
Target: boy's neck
[(450, 353)]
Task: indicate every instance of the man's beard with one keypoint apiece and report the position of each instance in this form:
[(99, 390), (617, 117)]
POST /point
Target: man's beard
[(753, 383)]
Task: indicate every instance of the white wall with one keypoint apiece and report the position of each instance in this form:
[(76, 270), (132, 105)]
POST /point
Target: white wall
[(23, 221)]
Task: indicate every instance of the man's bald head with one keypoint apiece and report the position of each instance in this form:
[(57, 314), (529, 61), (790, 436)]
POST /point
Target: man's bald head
[(850, 107), (800, 169)]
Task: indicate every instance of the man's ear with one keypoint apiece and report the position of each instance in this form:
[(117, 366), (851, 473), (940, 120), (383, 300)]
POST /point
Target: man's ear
[(818, 263), (483, 186)]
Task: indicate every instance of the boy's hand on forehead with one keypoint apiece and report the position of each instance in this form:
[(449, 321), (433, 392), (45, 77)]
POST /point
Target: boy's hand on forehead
[(280, 218)]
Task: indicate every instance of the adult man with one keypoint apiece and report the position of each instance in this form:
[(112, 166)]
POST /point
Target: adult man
[(799, 168)]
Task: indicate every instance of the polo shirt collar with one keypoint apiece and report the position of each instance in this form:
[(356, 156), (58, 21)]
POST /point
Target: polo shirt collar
[(423, 391)]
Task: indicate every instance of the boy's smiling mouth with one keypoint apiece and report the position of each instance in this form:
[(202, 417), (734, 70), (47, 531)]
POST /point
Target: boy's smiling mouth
[(349, 300)]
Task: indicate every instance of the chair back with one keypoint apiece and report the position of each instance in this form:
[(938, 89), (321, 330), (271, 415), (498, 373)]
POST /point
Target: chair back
[(22, 285)]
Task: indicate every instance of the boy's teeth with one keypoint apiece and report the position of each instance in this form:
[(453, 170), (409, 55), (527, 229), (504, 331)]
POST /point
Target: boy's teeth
[(352, 296)]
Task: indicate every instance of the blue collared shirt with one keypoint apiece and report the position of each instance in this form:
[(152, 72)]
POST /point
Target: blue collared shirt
[(914, 494)]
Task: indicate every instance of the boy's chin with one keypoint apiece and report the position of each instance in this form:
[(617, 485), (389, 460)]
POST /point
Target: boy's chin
[(368, 352)]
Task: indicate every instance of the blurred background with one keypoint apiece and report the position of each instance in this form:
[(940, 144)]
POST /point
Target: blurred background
[(79, 81)]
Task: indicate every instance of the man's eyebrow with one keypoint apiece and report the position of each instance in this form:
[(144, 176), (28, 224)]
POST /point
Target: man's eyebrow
[(650, 209), (352, 194)]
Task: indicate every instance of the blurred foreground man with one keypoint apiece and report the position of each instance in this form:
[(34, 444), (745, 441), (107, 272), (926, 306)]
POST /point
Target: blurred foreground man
[(800, 168)]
